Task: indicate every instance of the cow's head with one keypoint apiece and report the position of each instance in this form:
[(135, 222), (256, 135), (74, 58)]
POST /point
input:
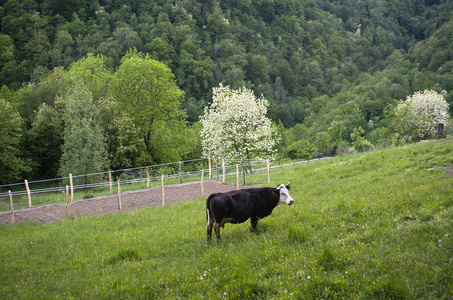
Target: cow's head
[(285, 198)]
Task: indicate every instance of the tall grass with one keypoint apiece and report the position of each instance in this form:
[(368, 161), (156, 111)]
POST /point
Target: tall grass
[(373, 225)]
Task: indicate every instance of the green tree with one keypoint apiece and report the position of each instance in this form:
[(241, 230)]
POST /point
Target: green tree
[(127, 38), (257, 69), (323, 141), (12, 72), (12, 166), (13, 8), (402, 121), (31, 96), (47, 139), (6, 49), (38, 46), (358, 141), (91, 69), (301, 149), (147, 91), (124, 144), (62, 49), (335, 131), (217, 24), (195, 77), (159, 50), (84, 150)]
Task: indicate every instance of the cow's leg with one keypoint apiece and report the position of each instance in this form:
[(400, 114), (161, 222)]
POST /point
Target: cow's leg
[(254, 221), (217, 230), (209, 225)]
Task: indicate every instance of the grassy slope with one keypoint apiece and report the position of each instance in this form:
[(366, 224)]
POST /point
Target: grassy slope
[(369, 225)]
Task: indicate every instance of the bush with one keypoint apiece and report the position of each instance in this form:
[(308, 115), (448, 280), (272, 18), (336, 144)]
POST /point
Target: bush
[(300, 150)]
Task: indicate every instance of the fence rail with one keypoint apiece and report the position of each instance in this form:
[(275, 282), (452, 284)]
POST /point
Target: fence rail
[(175, 170), (60, 193)]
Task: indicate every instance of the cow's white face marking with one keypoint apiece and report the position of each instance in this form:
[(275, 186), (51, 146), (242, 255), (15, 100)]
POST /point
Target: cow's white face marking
[(285, 198)]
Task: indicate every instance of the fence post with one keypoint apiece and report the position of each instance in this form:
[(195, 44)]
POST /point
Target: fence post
[(119, 196), (12, 208), (72, 187), (243, 170), (147, 178), (67, 201), (202, 188), (180, 176), (223, 167), (110, 180), (162, 188), (210, 171), (237, 176), (268, 173), (28, 193)]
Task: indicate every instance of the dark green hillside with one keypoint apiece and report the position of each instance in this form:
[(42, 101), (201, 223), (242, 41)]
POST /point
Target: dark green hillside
[(292, 51), (315, 61)]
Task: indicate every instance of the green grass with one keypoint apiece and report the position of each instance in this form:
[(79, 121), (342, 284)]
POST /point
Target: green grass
[(375, 225)]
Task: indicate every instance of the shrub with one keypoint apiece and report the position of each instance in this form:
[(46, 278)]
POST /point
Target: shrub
[(300, 150)]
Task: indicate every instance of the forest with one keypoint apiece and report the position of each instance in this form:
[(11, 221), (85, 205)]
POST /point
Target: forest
[(77, 94)]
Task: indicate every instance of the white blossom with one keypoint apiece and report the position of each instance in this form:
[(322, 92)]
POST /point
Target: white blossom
[(236, 126), (427, 109)]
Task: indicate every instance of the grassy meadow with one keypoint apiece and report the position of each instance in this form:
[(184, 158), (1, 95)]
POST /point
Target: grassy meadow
[(376, 225)]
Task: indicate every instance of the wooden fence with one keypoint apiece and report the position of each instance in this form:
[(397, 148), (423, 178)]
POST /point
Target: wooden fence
[(69, 189)]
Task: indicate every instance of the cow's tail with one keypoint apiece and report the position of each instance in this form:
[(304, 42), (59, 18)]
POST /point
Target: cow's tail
[(209, 217), (208, 205)]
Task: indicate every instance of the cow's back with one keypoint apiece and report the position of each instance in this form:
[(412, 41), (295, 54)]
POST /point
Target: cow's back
[(266, 201), (237, 207), (243, 204)]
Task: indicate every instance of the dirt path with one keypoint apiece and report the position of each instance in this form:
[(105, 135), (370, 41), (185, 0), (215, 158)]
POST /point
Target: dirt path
[(109, 204)]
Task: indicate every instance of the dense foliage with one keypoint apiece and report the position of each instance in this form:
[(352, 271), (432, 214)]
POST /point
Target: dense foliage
[(83, 150), (316, 62)]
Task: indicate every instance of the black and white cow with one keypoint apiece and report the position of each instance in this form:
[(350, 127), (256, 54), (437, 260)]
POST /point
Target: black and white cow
[(240, 205)]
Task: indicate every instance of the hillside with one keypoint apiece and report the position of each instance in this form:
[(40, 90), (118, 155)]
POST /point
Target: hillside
[(290, 51), (316, 62), (375, 225)]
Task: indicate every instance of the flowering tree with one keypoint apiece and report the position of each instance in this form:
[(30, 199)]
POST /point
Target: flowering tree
[(418, 115), (236, 126), (432, 108)]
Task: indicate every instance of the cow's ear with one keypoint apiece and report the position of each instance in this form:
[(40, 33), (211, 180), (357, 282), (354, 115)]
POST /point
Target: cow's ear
[(279, 187), (288, 185)]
